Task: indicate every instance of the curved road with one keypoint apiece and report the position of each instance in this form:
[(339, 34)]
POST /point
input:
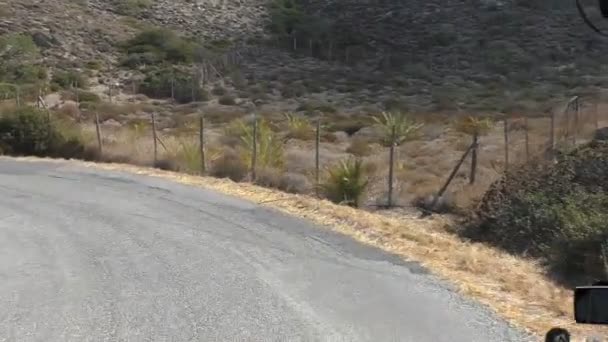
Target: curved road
[(90, 255)]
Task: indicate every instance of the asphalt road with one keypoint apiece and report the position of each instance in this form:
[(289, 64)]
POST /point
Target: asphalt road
[(91, 255)]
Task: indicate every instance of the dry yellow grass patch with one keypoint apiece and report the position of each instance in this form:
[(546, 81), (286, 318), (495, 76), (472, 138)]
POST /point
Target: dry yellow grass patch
[(515, 288)]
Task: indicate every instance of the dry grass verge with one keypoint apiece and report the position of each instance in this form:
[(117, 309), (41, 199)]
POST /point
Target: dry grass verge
[(515, 288)]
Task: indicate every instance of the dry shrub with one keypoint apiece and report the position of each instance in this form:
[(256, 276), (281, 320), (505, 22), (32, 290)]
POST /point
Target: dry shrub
[(295, 183), (70, 110), (229, 165), (359, 147), (299, 127), (288, 182), (268, 177), (328, 137), (300, 160)]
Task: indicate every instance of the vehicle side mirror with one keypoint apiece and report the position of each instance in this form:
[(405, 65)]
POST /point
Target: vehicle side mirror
[(591, 304), (604, 8)]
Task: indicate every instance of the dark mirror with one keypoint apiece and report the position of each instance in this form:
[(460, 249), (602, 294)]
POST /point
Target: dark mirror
[(591, 304), (604, 8)]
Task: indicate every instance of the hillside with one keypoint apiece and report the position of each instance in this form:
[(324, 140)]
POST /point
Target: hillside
[(439, 56)]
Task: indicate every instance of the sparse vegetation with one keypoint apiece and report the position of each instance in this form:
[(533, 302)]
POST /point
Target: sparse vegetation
[(66, 79), (167, 82), (298, 127)]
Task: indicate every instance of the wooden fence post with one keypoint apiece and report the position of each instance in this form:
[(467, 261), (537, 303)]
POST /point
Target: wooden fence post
[(317, 159), (254, 152), (576, 120), (391, 166), (154, 137), (202, 143), (552, 135), (98, 131), (506, 133), (473, 173), (527, 138)]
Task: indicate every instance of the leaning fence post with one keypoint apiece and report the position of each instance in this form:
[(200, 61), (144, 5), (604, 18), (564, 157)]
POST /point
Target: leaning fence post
[(450, 178), (254, 151), (202, 143), (391, 166), (317, 159), (98, 131), (154, 137)]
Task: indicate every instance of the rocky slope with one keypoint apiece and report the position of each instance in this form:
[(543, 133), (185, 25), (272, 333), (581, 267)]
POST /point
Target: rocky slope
[(479, 55)]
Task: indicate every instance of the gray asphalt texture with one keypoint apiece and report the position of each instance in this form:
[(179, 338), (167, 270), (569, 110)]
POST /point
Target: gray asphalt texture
[(89, 255)]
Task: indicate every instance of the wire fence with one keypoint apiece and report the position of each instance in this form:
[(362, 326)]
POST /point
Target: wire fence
[(524, 138)]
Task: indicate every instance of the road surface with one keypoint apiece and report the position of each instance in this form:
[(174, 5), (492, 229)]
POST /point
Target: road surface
[(90, 255)]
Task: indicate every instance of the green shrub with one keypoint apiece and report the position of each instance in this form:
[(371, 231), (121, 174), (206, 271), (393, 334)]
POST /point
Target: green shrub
[(94, 65), (346, 183), (157, 84), (82, 96), (67, 79), (155, 46), (269, 144), (26, 131), (557, 213), (131, 7)]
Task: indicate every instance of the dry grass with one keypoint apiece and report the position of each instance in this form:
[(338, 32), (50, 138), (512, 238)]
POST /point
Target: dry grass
[(515, 288)]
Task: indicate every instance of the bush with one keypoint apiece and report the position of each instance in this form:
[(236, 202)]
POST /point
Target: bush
[(554, 212), (346, 183), (269, 144), (81, 96), (26, 131), (359, 147), (157, 45), (67, 79), (229, 165), (299, 127), (227, 100), (289, 182), (158, 83), (131, 7)]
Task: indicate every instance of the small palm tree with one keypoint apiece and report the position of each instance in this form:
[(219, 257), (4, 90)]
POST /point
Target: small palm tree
[(346, 182), (397, 128), (475, 127)]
